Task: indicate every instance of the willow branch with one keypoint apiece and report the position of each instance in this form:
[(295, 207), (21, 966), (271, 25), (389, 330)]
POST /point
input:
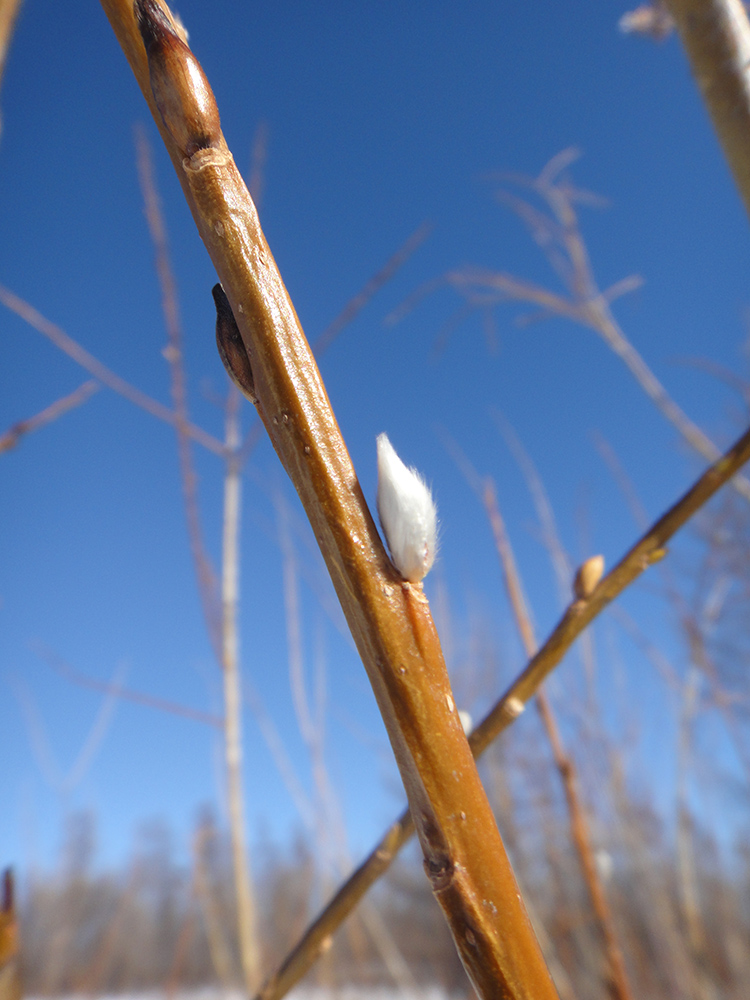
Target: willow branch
[(390, 620), (649, 549)]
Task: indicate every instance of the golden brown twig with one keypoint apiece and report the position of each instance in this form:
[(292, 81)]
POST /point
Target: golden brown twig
[(649, 549), (389, 619)]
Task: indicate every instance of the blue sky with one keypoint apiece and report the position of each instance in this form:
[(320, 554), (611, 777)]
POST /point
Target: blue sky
[(380, 117)]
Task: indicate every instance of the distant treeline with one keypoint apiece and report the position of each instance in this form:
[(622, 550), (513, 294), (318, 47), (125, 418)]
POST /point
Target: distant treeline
[(156, 923)]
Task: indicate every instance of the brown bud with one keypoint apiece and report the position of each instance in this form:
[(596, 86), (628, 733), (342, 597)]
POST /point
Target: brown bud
[(587, 577), (231, 346), (180, 88)]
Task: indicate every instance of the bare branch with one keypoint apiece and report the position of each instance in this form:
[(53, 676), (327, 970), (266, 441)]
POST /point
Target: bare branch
[(389, 619), (247, 926), (563, 244), (46, 416), (376, 282), (105, 375), (648, 550), (65, 670), (204, 570)]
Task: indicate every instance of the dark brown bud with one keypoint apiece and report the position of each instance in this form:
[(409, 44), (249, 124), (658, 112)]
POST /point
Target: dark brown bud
[(179, 85), (231, 346)]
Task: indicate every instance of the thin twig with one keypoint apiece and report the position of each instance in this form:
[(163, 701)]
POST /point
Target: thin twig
[(376, 282), (247, 928), (105, 375), (125, 694), (544, 511), (218, 948), (64, 784), (278, 751), (551, 537), (46, 416), (559, 236), (204, 570), (579, 826)]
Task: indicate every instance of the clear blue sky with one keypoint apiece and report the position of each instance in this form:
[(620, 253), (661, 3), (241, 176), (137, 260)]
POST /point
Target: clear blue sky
[(380, 116)]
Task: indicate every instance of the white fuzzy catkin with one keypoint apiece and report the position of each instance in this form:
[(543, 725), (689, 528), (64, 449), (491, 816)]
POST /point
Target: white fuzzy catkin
[(407, 513)]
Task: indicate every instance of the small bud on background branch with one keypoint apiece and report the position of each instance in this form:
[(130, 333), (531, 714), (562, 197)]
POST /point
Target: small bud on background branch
[(513, 707), (588, 575)]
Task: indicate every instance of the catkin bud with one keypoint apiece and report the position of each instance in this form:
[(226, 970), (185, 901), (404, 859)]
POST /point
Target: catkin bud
[(181, 91), (587, 577), (407, 513)]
